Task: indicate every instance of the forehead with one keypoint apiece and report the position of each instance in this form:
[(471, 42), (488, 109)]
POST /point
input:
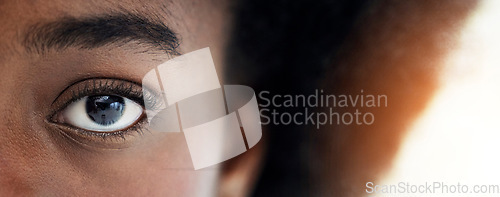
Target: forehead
[(35, 10), (57, 8), (182, 16)]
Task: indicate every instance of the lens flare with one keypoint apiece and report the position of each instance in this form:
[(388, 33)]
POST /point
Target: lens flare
[(456, 138)]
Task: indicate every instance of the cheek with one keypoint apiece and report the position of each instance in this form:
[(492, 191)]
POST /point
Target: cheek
[(21, 146), (29, 159), (141, 170)]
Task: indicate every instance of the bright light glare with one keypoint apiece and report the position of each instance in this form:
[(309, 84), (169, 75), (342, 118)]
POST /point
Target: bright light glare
[(457, 138)]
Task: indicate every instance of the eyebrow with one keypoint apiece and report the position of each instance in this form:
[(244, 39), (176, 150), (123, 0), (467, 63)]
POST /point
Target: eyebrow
[(98, 31)]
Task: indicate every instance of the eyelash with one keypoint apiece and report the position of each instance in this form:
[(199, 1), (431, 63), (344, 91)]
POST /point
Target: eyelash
[(117, 87), (107, 88)]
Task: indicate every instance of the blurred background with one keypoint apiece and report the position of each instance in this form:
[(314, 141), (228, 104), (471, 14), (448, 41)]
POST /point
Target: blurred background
[(437, 62)]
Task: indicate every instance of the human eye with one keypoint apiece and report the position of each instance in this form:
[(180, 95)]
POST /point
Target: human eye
[(102, 111)]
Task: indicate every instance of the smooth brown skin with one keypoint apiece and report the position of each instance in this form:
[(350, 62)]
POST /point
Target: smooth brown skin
[(37, 159)]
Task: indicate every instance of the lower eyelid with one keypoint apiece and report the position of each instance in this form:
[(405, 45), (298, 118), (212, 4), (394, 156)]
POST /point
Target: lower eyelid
[(110, 140)]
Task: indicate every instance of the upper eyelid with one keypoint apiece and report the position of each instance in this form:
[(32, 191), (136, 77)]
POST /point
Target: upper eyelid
[(95, 86), (92, 81), (92, 86)]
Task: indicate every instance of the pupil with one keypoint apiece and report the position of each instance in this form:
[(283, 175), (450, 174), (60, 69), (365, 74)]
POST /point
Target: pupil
[(105, 110)]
